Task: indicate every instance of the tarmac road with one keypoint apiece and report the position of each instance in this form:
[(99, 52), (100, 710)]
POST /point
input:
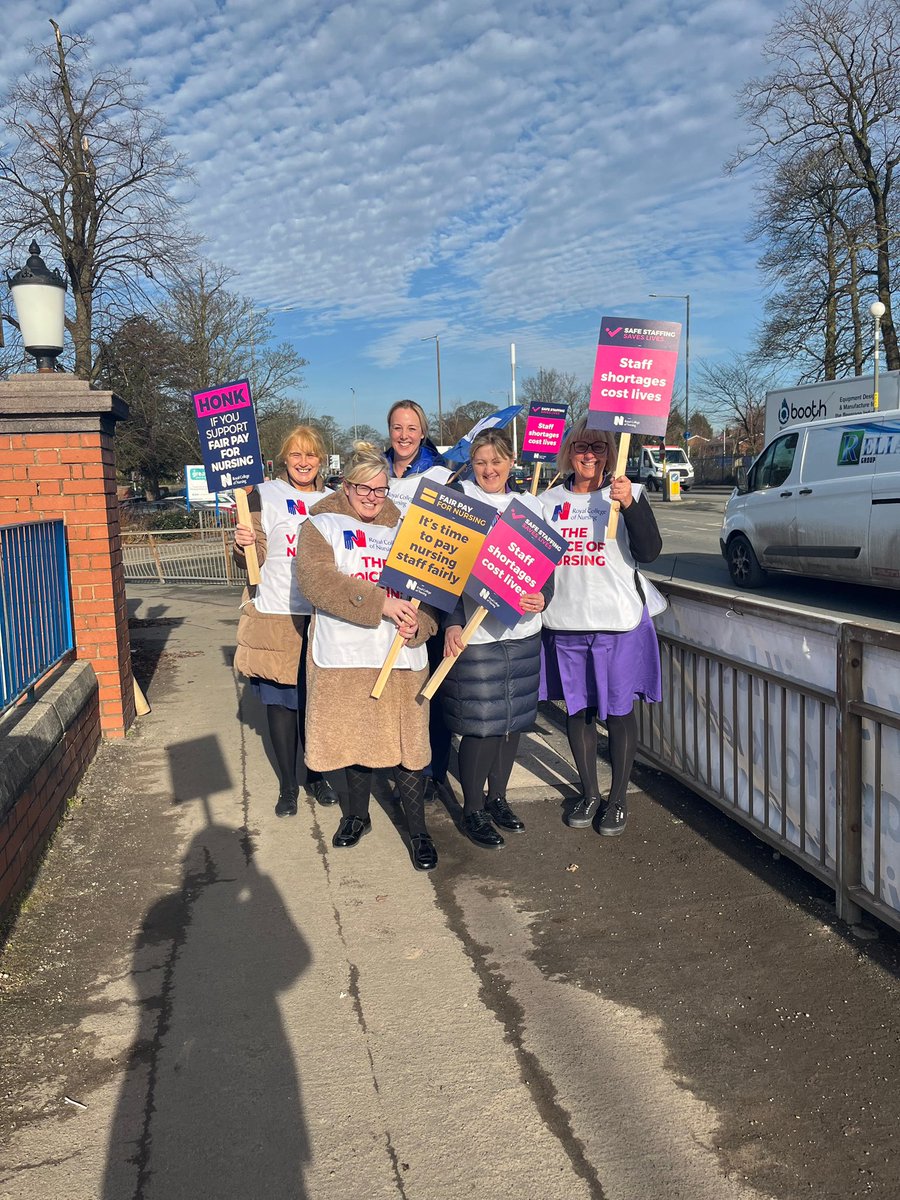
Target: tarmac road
[(241, 1011)]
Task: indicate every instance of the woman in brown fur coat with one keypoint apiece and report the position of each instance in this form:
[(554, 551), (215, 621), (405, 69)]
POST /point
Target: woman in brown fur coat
[(343, 546)]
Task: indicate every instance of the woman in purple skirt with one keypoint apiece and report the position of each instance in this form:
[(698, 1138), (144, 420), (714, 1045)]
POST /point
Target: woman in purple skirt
[(599, 650)]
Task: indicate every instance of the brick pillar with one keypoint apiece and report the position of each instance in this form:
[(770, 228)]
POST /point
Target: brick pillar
[(57, 459)]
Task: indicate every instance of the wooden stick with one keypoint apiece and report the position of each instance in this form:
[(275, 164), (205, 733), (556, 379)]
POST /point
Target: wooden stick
[(392, 655), (243, 512), (141, 707), (552, 482), (443, 670), (621, 463), (536, 478)]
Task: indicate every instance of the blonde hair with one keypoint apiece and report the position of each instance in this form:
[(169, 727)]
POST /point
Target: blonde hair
[(497, 439), (366, 461), (306, 440), (413, 407), (577, 434)]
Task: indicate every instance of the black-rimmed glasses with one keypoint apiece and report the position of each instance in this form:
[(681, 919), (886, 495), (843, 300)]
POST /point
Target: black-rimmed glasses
[(363, 489), (598, 448)]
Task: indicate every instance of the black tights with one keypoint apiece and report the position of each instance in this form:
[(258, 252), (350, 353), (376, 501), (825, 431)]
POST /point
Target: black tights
[(581, 728), (485, 760), (284, 730), (410, 785)]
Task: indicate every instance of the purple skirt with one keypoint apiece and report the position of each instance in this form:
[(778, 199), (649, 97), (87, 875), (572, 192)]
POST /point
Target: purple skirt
[(606, 671)]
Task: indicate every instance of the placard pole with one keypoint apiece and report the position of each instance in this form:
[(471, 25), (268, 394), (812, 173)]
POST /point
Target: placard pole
[(243, 512), (389, 663), (621, 463), (536, 478), (444, 669), (552, 482)]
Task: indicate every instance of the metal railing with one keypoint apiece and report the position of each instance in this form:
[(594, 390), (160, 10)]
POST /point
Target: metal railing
[(182, 556), (35, 605), (790, 723)]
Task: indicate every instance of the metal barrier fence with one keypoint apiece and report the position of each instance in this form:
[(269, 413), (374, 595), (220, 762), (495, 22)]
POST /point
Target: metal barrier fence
[(790, 723), (35, 605), (183, 555)]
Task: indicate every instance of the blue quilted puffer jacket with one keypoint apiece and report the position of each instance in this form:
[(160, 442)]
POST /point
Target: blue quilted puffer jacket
[(493, 688)]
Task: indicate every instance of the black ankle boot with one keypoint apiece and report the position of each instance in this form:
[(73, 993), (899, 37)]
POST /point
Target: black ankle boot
[(287, 802)]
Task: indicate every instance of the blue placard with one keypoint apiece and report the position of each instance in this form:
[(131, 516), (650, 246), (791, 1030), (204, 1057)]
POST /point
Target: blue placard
[(229, 441)]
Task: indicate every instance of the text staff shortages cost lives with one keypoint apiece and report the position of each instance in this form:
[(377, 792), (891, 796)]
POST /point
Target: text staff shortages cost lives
[(634, 373)]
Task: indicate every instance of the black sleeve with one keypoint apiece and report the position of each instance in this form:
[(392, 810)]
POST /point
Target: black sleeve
[(549, 588), (456, 617), (643, 532)]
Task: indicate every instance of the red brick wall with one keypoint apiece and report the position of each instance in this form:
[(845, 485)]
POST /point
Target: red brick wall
[(36, 813), (45, 475)]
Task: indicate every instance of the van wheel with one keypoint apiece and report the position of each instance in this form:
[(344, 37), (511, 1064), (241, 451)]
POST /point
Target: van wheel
[(743, 565)]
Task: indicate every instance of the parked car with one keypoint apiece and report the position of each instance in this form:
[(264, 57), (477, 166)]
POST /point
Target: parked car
[(822, 499)]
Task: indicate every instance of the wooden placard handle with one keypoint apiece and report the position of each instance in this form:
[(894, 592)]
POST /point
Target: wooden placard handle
[(536, 478), (444, 669), (621, 463), (552, 482), (243, 512), (390, 662)]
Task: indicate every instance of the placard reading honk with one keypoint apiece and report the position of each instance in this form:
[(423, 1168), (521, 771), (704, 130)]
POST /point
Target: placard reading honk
[(436, 545)]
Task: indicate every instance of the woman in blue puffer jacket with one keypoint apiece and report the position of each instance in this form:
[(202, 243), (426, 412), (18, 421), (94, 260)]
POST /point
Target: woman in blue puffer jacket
[(490, 697)]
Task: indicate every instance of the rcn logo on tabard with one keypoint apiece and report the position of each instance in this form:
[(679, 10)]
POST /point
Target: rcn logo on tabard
[(561, 512), (296, 508), (354, 538)]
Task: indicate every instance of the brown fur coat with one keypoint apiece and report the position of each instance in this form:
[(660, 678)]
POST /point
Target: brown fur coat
[(344, 725)]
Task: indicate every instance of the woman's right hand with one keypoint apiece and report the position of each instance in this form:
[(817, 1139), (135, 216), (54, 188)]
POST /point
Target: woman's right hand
[(244, 535), (403, 613), (453, 643)]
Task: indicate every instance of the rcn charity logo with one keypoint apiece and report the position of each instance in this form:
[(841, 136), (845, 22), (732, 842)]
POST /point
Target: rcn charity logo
[(354, 538), (561, 512), (297, 508)]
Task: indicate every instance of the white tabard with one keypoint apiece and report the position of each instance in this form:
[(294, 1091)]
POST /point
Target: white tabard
[(360, 550), (283, 511), (403, 489)]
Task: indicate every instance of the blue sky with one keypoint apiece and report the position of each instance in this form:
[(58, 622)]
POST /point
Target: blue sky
[(491, 171)]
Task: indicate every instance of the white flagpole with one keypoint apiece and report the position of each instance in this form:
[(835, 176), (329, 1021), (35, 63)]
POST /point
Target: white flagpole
[(512, 363)]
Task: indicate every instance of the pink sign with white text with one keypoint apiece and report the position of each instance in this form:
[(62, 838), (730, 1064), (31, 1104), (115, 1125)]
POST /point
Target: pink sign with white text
[(634, 374)]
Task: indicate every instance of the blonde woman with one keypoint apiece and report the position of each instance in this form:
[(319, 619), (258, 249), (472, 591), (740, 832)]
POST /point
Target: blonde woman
[(342, 550), (275, 614)]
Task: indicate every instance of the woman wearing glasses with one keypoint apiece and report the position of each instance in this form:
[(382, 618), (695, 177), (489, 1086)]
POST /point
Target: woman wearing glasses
[(600, 651), (343, 547)]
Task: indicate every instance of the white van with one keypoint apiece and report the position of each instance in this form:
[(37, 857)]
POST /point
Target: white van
[(822, 499), (646, 467)]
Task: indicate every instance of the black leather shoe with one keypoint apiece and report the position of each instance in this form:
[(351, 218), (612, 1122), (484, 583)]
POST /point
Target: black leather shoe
[(350, 830), (322, 792), (501, 814), (613, 820), (478, 829), (424, 852), (287, 802), (583, 813)]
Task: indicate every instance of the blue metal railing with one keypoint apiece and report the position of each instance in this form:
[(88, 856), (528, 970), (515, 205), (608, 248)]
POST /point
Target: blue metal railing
[(35, 605)]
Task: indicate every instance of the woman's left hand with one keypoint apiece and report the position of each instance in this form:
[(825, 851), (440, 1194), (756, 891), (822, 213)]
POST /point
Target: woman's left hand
[(620, 489), (531, 602)]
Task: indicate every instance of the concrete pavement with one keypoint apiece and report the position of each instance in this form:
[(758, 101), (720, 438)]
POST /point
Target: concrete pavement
[(239, 1010)]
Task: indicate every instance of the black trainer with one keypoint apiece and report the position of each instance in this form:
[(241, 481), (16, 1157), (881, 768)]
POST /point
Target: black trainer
[(501, 814), (478, 829), (582, 814), (613, 820), (350, 830), (287, 802)]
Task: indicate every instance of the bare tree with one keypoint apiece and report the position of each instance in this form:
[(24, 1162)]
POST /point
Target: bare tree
[(734, 392), (557, 387), (85, 166), (835, 88)]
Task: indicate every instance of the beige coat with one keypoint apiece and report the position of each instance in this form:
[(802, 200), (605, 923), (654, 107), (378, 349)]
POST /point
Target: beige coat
[(268, 644), (344, 725)]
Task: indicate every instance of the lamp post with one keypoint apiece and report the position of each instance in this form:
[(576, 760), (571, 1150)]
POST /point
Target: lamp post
[(39, 296), (686, 297), (436, 338), (877, 310), (353, 390)]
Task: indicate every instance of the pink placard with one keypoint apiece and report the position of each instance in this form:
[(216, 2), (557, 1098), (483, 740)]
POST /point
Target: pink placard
[(222, 400), (634, 374)]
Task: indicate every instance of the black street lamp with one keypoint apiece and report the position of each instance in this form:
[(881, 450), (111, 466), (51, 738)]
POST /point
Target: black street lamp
[(39, 296)]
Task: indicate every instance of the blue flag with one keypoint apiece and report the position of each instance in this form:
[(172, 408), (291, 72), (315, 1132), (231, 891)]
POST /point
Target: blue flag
[(459, 453)]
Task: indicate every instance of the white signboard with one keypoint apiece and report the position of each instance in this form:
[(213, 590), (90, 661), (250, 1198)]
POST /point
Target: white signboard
[(195, 485)]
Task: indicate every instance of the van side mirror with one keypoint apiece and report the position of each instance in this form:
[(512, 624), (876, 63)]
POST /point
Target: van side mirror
[(741, 476)]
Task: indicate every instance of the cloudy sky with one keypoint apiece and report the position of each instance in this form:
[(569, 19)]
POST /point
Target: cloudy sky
[(490, 171)]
